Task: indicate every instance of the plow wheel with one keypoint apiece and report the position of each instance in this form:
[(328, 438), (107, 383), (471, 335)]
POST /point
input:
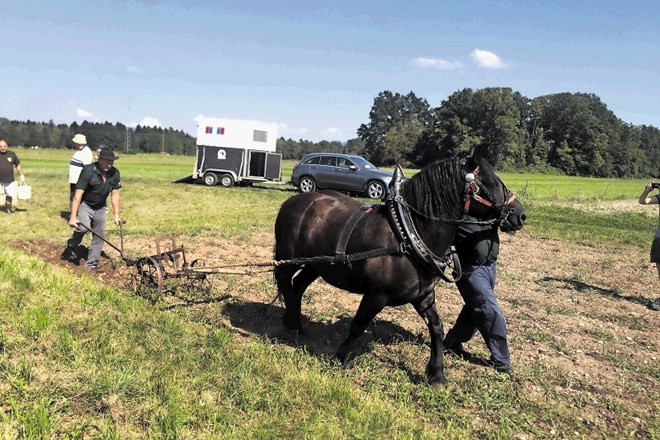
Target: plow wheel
[(147, 280), (200, 281)]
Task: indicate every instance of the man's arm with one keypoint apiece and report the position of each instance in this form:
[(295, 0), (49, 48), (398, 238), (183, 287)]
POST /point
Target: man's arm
[(20, 172), (644, 198), (75, 204), (114, 199)]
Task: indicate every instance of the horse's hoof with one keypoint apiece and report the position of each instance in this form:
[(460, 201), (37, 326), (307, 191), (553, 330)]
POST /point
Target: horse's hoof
[(292, 326), (345, 360), (439, 386), (438, 383), (348, 364)]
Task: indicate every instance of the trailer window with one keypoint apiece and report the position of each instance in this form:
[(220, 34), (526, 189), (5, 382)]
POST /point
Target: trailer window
[(260, 136)]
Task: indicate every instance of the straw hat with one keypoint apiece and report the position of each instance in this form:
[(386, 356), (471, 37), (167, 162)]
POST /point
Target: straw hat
[(79, 139)]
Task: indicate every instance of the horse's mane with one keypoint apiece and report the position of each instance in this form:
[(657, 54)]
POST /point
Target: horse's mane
[(436, 191)]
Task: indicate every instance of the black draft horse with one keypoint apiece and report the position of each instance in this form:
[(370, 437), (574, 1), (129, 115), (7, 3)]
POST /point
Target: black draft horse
[(310, 225)]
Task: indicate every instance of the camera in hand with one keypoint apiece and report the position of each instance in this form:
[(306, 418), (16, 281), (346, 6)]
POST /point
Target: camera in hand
[(655, 185)]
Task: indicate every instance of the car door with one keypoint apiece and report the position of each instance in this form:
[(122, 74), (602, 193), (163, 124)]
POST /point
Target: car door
[(325, 172), (348, 175)]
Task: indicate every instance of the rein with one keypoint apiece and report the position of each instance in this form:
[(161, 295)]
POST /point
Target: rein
[(494, 221)]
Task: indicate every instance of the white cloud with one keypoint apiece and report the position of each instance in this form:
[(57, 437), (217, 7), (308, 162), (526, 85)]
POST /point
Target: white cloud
[(147, 121), (134, 70), (331, 133), (438, 64), (487, 59), (84, 113)]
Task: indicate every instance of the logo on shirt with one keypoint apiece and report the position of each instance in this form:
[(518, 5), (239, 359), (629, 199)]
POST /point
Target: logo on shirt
[(9, 159)]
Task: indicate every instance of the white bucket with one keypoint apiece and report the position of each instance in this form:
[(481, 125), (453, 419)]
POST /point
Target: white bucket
[(24, 191)]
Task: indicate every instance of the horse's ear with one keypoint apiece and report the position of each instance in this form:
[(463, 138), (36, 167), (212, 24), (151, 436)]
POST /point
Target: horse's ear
[(397, 179), (398, 173), (469, 159)]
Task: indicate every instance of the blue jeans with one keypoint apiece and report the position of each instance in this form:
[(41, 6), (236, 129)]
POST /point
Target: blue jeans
[(481, 312)]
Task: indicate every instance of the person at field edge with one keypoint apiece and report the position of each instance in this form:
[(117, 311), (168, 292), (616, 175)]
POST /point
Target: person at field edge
[(88, 208), (9, 161), (644, 199), (81, 157), (478, 247)]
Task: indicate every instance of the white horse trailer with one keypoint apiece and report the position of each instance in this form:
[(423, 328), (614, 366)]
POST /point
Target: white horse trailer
[(233, 151)]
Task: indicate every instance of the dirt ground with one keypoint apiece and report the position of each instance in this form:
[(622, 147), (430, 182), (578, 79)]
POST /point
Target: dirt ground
[(580, 311)]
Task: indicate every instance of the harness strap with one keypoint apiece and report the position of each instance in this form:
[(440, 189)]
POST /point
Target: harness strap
[(405, 230), (340, 251)]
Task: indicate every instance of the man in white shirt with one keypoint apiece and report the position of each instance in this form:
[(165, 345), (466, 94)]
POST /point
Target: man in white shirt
[(81, 157)]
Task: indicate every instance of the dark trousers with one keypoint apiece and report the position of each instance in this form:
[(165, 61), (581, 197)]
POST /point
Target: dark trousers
[(481, 312)]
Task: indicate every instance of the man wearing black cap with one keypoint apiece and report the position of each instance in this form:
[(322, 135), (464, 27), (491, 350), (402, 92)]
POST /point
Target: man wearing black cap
[(88, 209)]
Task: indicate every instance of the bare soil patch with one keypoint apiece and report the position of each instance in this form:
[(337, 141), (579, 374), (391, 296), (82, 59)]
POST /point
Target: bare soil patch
[(578, 312)]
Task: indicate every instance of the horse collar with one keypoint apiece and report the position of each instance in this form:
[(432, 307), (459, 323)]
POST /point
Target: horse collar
[(407, 235)]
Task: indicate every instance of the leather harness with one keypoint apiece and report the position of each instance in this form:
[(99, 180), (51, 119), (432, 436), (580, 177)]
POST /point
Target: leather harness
[(404, 229)]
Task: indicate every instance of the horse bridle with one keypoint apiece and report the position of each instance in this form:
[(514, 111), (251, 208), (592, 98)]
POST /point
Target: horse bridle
[(473, 187)]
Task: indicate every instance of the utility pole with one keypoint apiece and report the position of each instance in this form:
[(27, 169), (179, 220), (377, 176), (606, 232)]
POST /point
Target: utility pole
[(128, 129), (162, 142), (128, 138)]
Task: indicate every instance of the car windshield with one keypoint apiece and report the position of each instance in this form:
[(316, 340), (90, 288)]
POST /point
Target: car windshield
[(364, 163)]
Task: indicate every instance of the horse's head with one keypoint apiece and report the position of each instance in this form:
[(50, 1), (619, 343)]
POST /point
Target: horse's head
[(487, 197)]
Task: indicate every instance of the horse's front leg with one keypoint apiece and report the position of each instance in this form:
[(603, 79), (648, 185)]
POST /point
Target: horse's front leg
[(369, 307), (435, 369)]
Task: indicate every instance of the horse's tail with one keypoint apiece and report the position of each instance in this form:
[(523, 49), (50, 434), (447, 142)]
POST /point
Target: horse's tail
[(282, 274)]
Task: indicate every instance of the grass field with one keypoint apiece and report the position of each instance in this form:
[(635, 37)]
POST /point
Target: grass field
[(82, 357)]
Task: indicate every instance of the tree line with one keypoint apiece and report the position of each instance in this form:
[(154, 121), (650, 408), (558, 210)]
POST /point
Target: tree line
[(117, 136), (569, 133)]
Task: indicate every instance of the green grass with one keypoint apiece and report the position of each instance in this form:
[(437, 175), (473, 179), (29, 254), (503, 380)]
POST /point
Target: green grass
[(81, 359), (552, 188)]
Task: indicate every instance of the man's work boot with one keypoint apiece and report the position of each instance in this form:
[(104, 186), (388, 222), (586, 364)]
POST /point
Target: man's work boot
[(69, 255)]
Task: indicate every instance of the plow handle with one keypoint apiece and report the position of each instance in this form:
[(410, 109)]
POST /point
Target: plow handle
[(121, 238)]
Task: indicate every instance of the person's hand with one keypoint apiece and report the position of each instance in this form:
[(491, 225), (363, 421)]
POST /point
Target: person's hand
[(117, 220), (22, 179), (73, 222)]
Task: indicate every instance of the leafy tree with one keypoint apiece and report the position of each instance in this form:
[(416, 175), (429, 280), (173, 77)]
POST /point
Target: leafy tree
[(491, 120), (393, 111)]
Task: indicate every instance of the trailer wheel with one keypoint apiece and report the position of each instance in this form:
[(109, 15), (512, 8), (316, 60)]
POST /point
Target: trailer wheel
[(227, 180), (210, 179), (306, 184)]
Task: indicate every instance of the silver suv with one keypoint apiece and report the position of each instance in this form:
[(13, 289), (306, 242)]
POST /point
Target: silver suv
[(342, 172)]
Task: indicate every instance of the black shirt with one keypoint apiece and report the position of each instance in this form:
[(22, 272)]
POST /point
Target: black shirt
[(476, 245), (96, 190), (8, 161)]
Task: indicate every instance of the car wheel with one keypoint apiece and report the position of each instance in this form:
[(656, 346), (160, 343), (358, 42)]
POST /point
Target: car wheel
[(375, 190), (226, 180), (307, 184), (210, 179)]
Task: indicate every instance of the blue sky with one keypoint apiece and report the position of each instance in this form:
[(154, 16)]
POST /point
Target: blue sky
[(314, 68)]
